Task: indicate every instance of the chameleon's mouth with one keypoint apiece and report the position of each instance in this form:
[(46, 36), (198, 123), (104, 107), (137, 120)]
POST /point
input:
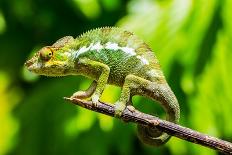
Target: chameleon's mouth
[(31, 62), (30, 65), (33, 66), (41, 69)]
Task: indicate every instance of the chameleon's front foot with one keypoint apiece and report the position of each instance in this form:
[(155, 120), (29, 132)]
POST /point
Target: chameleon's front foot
[(80, 95), (87, 93), (84, 95), (119, 108)]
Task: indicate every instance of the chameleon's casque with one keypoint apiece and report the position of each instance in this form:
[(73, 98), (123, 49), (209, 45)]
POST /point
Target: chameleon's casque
[(111, 56)]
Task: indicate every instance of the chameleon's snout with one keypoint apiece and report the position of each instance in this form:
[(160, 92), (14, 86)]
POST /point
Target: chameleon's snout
[(31, 64), (28, 63)]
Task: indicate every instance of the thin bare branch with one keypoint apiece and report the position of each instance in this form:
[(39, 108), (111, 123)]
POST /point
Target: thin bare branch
[(132, 115)]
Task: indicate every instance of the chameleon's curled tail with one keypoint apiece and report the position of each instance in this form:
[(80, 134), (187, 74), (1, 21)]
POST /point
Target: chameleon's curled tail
[(164, 95)]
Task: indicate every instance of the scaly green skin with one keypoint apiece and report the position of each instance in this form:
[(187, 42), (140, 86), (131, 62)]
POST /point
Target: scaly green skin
[(111, 56)]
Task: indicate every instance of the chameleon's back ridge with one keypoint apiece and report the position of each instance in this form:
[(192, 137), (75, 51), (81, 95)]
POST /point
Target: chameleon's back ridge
[(114, 56)]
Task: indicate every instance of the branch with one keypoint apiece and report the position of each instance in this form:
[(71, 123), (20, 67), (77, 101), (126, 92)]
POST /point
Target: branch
[(135, 116)]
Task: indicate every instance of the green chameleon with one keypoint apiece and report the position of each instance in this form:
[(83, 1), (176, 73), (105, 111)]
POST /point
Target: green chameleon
[(111, 56)]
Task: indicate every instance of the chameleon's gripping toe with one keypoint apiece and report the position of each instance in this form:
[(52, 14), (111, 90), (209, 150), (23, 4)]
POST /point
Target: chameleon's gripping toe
[(83, 95), (119, 108), (95, 99), (87, 93)]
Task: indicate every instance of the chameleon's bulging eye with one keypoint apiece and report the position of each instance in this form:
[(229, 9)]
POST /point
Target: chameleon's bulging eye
[(46, 54)]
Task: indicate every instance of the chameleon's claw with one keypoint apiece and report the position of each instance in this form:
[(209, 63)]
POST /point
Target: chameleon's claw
[(119, 108), (95, 99)]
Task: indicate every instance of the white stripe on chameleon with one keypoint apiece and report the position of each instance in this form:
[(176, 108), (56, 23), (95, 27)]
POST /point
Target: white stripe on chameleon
[(97, 46), (82, 50), (114, 46), (109, 45), (143, 60)]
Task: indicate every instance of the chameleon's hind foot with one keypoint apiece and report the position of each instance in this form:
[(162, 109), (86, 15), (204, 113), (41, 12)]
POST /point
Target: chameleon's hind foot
[(119, 108), (95, 99)]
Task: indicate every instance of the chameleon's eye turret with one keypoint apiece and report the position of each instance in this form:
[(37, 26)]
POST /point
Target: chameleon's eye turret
[(46, 53)]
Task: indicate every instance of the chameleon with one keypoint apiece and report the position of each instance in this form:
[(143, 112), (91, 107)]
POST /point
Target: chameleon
[(111, 55)]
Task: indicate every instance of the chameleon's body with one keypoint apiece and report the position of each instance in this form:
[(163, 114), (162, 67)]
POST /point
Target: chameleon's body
[(111, 56)]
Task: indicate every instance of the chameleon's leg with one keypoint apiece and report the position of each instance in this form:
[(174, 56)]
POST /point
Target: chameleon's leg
[(102, 79), (87, 93), (162, 93), (131, 84)]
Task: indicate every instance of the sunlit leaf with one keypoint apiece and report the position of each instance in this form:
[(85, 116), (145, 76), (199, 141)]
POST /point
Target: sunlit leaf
[(9, 124)]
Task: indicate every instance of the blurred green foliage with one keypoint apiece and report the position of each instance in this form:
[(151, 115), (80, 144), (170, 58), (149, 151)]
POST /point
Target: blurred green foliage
[(191, 38)]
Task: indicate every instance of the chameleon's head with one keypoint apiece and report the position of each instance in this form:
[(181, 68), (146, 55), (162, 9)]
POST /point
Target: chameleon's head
[(53, 60)]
